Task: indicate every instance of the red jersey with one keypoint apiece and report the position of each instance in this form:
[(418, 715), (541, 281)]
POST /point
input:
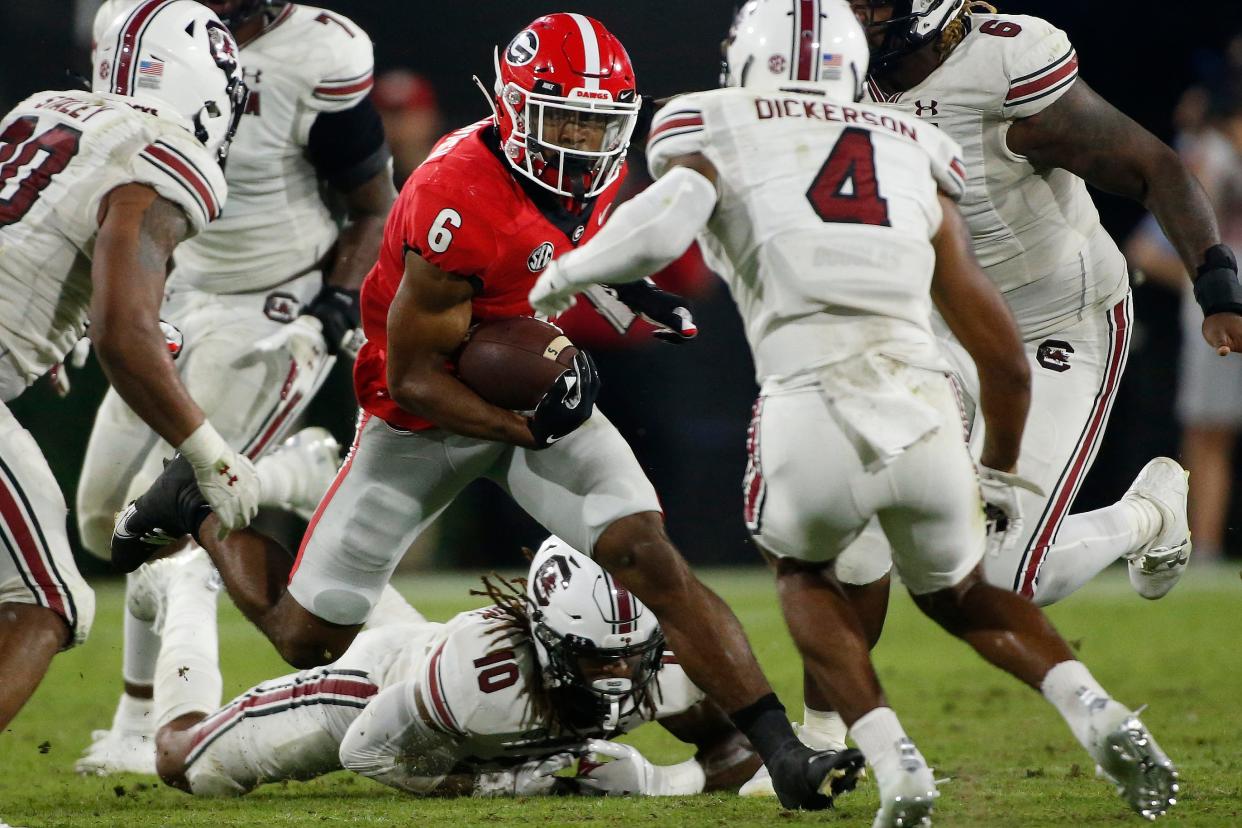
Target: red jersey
[(465, 211)]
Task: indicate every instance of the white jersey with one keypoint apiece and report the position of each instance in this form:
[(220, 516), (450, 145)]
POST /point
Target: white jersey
[(1036, 232), (824, 221), (60, 154), (305, 62), (476, 684)]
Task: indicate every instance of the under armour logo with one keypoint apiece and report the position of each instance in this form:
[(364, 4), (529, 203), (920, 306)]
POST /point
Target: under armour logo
[(224, 470), (927, 110)]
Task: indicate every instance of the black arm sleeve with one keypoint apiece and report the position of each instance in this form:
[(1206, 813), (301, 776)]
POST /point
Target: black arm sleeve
[(347, 148)]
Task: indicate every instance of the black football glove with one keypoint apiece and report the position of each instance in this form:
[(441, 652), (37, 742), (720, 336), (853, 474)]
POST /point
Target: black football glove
[(668, 311), (337, 309), (568, 404)]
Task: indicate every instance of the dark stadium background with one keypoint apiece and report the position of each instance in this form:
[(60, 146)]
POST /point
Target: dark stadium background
[(1139, 55)]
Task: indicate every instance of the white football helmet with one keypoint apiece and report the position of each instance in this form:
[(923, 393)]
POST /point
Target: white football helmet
[(175, 57), (913, 24), (590, 632), (797, 44)]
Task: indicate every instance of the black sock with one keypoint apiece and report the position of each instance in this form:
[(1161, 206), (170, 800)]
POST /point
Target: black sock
[(765, 724)]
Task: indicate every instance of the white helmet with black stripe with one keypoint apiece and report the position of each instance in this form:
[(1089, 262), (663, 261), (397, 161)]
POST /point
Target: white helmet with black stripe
[(175, 57), (806, 45), (589, 631)]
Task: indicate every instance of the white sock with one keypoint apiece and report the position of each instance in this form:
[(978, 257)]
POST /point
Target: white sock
[(1081, 701), (822, 730), (133, 715), (187, 673), (1088, 542), (277, 480), (142, 645), (878, 735)]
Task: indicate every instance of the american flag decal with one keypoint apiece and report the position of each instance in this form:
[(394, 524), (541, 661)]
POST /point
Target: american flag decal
[(832, 60), (151, 68)]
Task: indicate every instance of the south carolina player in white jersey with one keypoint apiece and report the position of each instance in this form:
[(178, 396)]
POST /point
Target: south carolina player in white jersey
[(831, 222), (1007, 88), (265, 298), (493, 702), (96, 188)]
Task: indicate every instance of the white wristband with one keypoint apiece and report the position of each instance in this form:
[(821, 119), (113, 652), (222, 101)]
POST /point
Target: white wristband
[(204, 447), (682, 779)]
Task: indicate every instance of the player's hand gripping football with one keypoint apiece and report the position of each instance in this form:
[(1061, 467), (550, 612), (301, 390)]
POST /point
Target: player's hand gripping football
[(668, 311), (552, 294), (1002, 507), (227, 479), (568, 404)]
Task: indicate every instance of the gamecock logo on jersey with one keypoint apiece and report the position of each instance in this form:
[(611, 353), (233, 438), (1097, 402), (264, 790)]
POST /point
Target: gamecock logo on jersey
[(523, 48), (1054, 355), (776, 64), (540, 257)]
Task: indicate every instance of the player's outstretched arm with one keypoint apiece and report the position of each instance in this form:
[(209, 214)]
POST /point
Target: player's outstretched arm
[(427, 322), (138, 230), (394, 743), (1086, 135), (644, 235), (977, 315)]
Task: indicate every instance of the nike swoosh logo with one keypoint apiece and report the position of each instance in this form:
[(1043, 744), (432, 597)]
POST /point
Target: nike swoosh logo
[(604, 215)]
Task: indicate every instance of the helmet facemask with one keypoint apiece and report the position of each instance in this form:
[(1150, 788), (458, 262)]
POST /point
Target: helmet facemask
[(909, 29), (616, 679), (224, 50)]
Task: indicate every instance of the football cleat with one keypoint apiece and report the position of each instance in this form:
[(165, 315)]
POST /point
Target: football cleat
[(908, 798), (310, 458), (1145, 778), (118, 751), (147, 587), (1156, 568), (761, 783), (809, 779), (170, 509)]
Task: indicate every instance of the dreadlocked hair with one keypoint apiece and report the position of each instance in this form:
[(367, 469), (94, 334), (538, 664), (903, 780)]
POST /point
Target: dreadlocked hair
[(955, 30), (512, 611)]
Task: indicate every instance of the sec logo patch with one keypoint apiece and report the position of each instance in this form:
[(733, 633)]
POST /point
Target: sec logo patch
[(540, 257)]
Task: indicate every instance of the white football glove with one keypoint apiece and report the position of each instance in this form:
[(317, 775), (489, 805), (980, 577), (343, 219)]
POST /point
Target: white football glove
[(227, 479), (552, 294), (534, 778), (1003, 508), (630, 773)]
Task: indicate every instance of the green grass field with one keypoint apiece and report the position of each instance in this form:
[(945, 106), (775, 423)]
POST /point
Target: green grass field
[(1010, 759)]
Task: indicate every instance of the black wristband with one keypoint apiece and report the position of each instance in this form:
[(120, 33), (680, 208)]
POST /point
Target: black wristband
[(1217, 289)]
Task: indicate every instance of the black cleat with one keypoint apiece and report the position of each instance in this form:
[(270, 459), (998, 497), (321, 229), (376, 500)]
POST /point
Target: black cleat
[(809, 779), (170, 509)]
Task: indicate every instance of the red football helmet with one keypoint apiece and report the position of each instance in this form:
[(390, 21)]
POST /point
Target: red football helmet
[(566, 104)]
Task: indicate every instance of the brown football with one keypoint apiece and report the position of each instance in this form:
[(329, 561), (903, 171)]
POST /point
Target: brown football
[(513, 362)]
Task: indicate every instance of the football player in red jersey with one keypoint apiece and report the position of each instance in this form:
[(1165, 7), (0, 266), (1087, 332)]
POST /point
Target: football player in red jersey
[(491, 206)]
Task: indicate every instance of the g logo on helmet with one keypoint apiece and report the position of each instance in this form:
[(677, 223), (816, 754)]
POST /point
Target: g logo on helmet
[(523, 48), (540, 257)]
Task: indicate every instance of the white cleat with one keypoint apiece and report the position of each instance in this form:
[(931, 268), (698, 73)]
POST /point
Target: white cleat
[(146, 587), (1156, 568), (312, 457), (908, 799), (1129, 757), (118, 751)]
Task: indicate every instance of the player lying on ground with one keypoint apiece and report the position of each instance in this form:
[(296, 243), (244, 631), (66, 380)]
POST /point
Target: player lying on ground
[(493, 702), (264, 310), (488, 209), (100, 187), (834, 261)]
